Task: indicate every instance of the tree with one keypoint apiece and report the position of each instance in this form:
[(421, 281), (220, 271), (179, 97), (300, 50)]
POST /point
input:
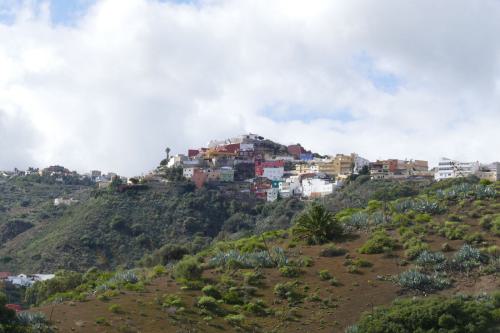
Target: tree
[(317, 225), (167, 150)]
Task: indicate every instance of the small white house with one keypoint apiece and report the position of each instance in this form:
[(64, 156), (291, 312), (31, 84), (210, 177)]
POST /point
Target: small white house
[(315, 187)]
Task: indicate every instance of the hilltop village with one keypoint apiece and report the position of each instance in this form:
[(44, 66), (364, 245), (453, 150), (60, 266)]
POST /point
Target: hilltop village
[(271, 170), (252, 164)]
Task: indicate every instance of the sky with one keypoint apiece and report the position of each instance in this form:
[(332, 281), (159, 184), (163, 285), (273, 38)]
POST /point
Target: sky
[(108, 84)]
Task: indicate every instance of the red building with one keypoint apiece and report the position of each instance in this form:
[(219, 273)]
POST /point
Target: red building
[(260, 165), (296, 150), (5, 275), (193, 153)]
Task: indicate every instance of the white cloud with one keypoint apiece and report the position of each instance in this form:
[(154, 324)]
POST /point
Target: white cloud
[(133, 76)]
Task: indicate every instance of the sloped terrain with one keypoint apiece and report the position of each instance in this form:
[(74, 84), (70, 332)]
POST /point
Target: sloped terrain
[(444, 241)]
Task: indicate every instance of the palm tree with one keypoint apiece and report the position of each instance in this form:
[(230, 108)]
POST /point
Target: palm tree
[(167, 150), (317, 225)]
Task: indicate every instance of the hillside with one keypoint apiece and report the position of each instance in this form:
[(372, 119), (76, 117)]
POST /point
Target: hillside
[(321, 275), (109, 228), (93, 232)]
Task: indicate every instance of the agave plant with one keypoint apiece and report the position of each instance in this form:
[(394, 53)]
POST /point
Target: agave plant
[(31, 318), (416, 280), (467, 258), (124, 277), (357, 221), (276, 257), (434, 260)]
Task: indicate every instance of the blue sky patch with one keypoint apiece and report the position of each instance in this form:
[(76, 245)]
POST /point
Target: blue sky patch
[(282, 112), (382, 80)]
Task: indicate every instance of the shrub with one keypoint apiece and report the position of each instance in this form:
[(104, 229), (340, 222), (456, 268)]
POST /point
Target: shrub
[(235, 319), (324, 275), (288, 291), (474, 238), (188, 268), (233, 296), (257, 308), (378, 242), (432, 314), (169, 301), (332, 251), (317, 225), (290, 271), (305, 261), (254, 278), (453, 230), (210, 290), (115, 308), (208, 303)]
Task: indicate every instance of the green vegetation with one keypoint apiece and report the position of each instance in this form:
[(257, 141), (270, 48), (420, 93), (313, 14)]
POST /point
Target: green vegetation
[(379, 242), (436, 314), (317, 225)]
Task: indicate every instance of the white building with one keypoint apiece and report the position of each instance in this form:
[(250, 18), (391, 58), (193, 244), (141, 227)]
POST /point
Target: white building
[(272, 194), (359, 163), (290, 187), (448, 168), (188, 172), (176, 160), (489, 171), (24, 280), (273, 173), (314, 187)]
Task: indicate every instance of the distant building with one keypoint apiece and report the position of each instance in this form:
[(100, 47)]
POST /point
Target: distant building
[(226, 174), (95, 174), (489, 171), (314, 187), (448, 168), (64, 202)]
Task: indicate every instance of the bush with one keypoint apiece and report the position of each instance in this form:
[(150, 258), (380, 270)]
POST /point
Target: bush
[(115, 308), (169, 301), (317, 225), (290, 271), (324, 275), (235, 319), (257, 308), (288, 291), (208, 303), (434, 314), (378, 242), (210, 290), (332, 251), (188, 268), (453, 230), (254, 278)]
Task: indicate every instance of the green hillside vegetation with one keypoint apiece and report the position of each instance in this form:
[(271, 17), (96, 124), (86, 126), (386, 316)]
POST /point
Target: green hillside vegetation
[(310, 276)]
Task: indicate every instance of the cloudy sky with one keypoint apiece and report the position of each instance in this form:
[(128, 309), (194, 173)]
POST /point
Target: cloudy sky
[(109, 84)]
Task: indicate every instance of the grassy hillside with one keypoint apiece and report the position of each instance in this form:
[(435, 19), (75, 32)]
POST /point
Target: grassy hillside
[(111, 228), (330, 272)]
